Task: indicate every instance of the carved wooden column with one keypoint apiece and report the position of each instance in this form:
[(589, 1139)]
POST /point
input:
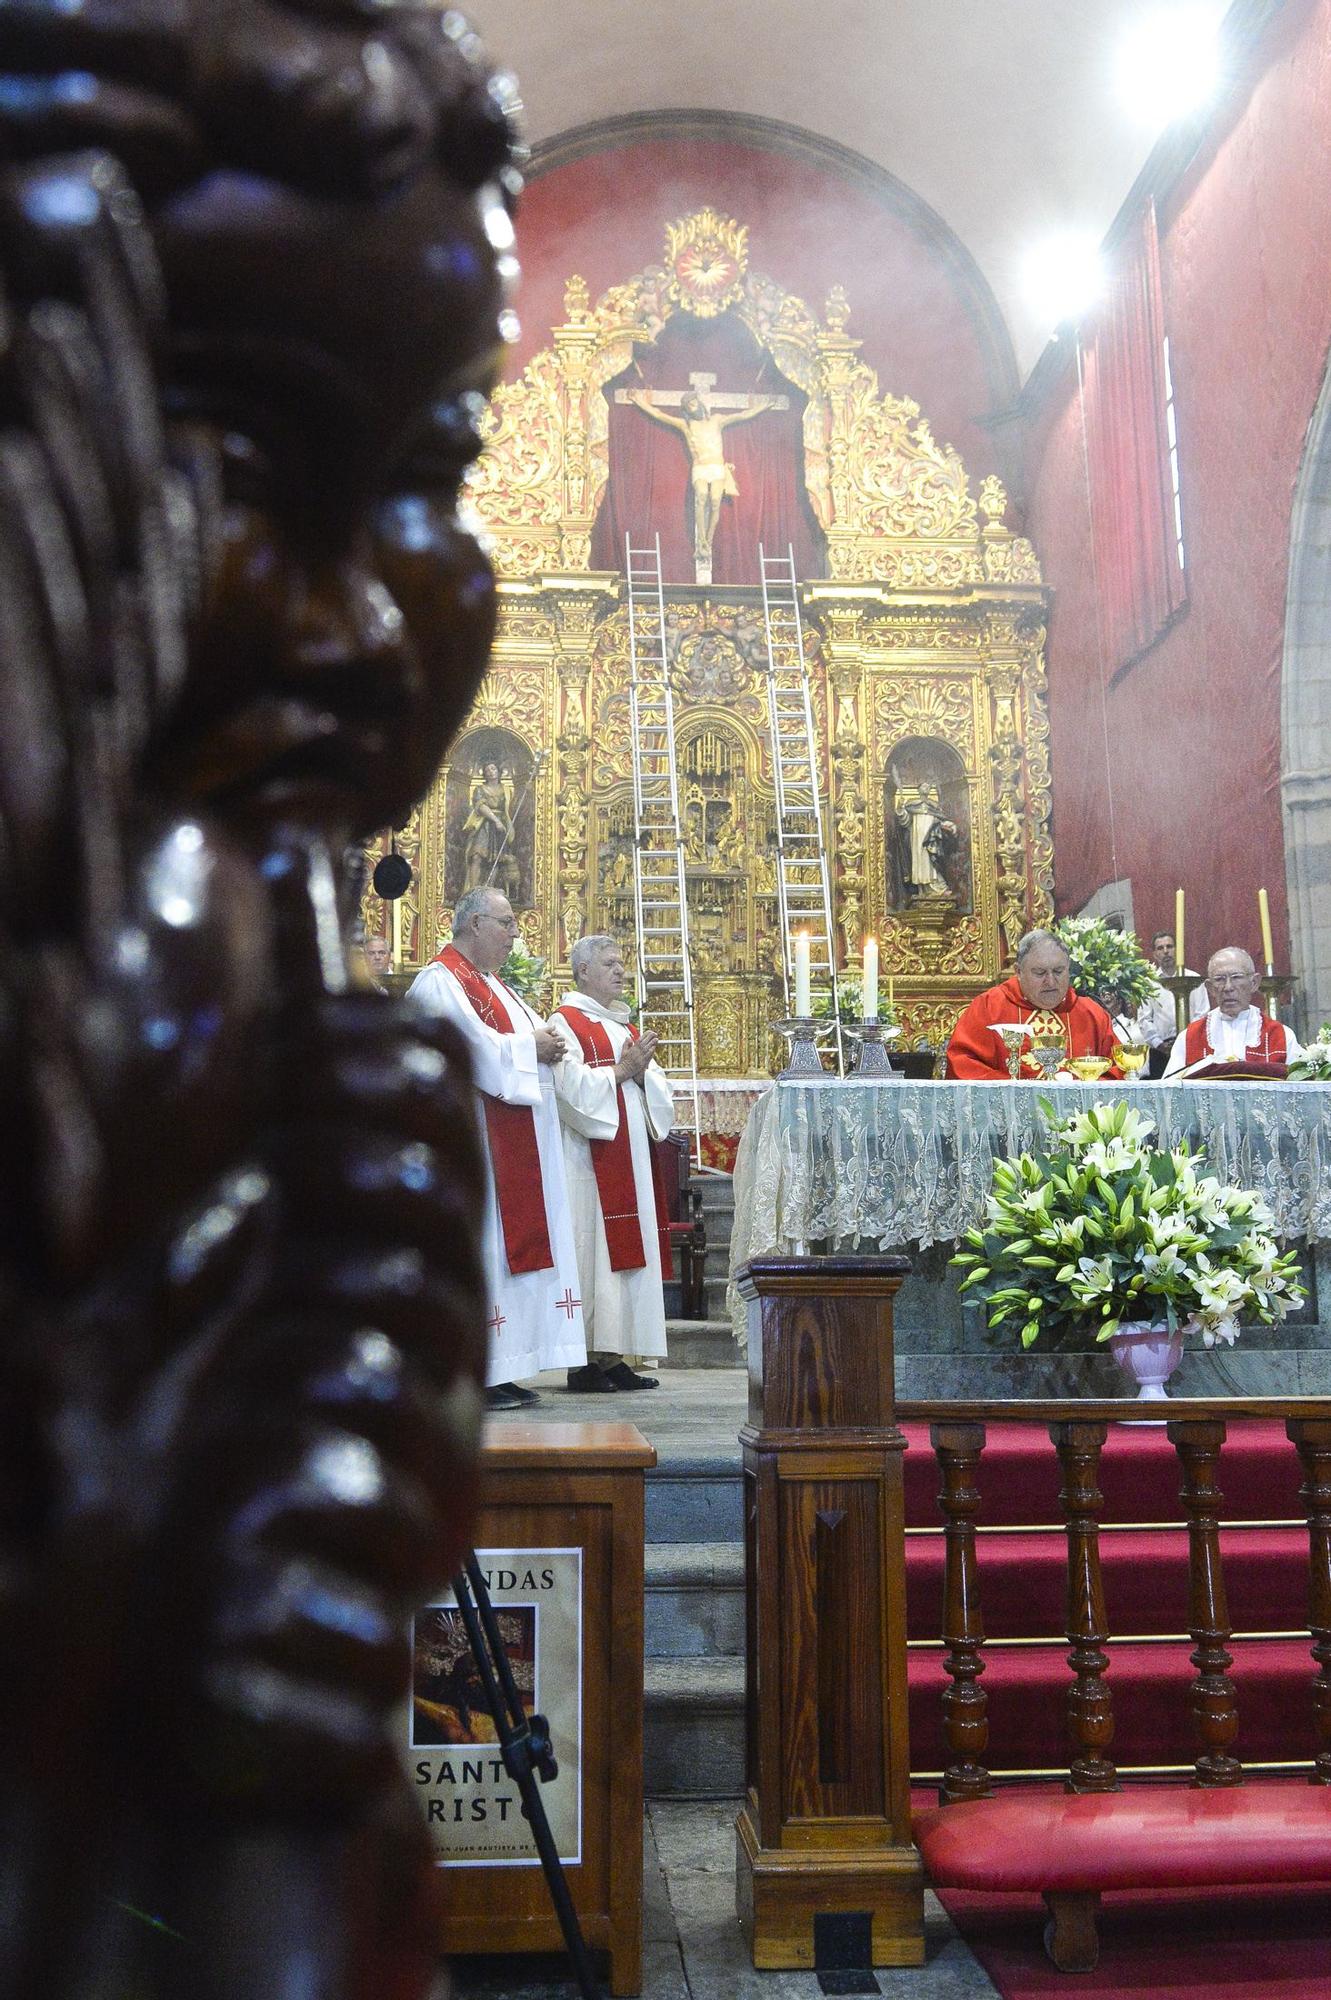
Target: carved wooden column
[(965, 1703), (824, 1833), (579, 603), (1312, 1440), (1214, 1703), (1090, 1705)]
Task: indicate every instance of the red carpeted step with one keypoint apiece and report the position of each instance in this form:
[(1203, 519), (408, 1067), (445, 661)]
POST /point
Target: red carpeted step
[(1027, 1687), (1139, 1475), (1023, 1581)]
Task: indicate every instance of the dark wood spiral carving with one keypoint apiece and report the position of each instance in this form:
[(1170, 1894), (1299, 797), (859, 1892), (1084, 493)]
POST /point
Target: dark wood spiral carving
[(253, 261)]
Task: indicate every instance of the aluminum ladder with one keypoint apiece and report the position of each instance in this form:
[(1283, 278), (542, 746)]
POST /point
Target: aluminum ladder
[(803, 883), (660, 891)]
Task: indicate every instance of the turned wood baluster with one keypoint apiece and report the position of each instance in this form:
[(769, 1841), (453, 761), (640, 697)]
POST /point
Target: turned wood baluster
[(965, 1704), (1312, 1441), (1214, 1708), (1090, 1705)]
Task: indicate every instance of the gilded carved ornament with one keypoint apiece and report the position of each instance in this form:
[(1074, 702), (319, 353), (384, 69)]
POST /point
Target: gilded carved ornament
[(895, 504)]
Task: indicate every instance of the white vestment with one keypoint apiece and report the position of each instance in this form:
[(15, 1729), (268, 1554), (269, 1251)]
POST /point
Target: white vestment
[(625, 1310), (1229, 1041), (1157, 1019), (535, 1318)]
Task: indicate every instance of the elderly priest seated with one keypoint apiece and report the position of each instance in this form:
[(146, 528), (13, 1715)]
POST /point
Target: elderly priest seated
[(1037, 996), (1235, 1030)]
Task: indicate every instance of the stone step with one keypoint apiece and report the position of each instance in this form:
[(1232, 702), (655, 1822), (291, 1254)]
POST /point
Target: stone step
[(694, 1500), (694, 1600), (701, 1343), (693, 1738), (717, 1192)]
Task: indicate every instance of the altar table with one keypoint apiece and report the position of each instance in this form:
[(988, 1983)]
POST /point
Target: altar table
[(903, 1165)]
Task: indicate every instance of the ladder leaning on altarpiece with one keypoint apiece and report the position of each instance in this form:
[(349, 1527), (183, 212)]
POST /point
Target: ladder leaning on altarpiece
[(803, 885), (660, 891)]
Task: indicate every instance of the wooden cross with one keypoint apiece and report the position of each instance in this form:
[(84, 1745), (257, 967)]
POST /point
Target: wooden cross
[(703, 385)]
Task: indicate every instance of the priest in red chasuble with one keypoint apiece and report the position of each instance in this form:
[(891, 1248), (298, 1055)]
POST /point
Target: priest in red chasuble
[(1039, 994), (531, 1270), (1234, 1029), (614, 1100)]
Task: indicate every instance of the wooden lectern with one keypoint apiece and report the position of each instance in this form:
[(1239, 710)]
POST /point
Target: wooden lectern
[(824, 1833)]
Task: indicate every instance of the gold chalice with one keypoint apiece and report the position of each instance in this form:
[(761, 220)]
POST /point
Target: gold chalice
[(1129, 1057), (1088, 1069)]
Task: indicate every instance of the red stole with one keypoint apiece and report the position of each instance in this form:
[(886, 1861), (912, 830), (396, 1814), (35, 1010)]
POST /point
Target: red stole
[(612, 1162), (515, 1156), (1269, 1046)]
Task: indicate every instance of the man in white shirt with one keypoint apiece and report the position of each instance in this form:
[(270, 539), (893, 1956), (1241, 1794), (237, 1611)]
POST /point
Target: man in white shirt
[(531, 1270), (613, 1101), (1234, 1030)]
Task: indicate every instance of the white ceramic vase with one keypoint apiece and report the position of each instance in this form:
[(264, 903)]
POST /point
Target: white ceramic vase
[(1148, 1355)]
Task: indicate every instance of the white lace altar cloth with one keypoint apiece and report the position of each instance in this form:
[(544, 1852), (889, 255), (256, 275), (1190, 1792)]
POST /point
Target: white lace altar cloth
[(878, 1166)]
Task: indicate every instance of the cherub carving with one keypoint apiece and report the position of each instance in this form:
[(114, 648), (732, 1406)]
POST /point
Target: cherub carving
[(238, 622)]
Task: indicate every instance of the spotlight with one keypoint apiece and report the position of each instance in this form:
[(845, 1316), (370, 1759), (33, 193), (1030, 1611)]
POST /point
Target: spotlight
[(1168, 63), (1064, 276)]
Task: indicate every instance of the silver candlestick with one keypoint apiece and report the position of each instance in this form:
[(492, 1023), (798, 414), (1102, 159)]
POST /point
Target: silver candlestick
[(802, 1032), (872, 1058)]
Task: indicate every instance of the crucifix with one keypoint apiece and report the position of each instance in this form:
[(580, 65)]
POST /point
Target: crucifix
[(700, 424)]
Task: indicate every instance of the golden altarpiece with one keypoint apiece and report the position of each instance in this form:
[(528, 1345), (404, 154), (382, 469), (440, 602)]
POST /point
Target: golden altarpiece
[(925, 647)]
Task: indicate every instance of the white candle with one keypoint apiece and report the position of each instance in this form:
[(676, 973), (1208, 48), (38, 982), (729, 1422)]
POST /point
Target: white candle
[(803, 998), (869, 995), (1268, 949)]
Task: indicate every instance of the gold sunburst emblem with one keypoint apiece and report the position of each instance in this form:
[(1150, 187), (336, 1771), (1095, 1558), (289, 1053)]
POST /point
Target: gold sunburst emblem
[(706, 255)]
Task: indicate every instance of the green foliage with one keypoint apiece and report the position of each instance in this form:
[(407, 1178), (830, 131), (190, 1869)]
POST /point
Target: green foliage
[(850, 999), (1104, 1227), (527, 975), (1314, 1065), (1106, 961)]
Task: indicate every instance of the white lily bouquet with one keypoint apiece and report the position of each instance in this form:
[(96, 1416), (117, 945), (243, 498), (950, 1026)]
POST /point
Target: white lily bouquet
[(1105, 1228), (1314, 1065)]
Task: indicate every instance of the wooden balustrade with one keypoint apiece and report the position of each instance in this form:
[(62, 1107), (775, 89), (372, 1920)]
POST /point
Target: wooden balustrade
[(1090, 1705), (1311, 1438), (1197, 1428), (965, 1705), (1214, 1706)]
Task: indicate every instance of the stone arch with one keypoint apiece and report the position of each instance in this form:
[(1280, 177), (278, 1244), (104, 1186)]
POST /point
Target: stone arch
[(1305, 722)]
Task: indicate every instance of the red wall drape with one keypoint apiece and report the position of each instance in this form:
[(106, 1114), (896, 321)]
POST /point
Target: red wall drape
[(1140, 583), (648, 488)]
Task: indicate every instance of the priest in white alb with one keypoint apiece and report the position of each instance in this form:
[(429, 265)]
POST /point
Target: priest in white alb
[(613, 1100), (1234, 1030), (531, 1270)]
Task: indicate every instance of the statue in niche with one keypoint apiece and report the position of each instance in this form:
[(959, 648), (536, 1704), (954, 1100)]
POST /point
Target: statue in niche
[(928, 828), (490, 834), (487, 857), (240, 1382)]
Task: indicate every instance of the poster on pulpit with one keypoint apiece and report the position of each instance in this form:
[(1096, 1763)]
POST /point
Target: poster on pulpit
[(472, 1807)]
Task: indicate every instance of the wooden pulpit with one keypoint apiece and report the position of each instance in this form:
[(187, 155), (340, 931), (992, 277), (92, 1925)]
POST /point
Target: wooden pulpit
[(824, 1850)]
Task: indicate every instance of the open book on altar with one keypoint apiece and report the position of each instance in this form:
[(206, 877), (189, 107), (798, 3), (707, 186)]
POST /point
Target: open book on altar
[(1211, 1069)]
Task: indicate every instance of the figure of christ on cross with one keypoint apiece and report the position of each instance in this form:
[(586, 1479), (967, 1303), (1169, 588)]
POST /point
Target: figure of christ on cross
[(700, 424)]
